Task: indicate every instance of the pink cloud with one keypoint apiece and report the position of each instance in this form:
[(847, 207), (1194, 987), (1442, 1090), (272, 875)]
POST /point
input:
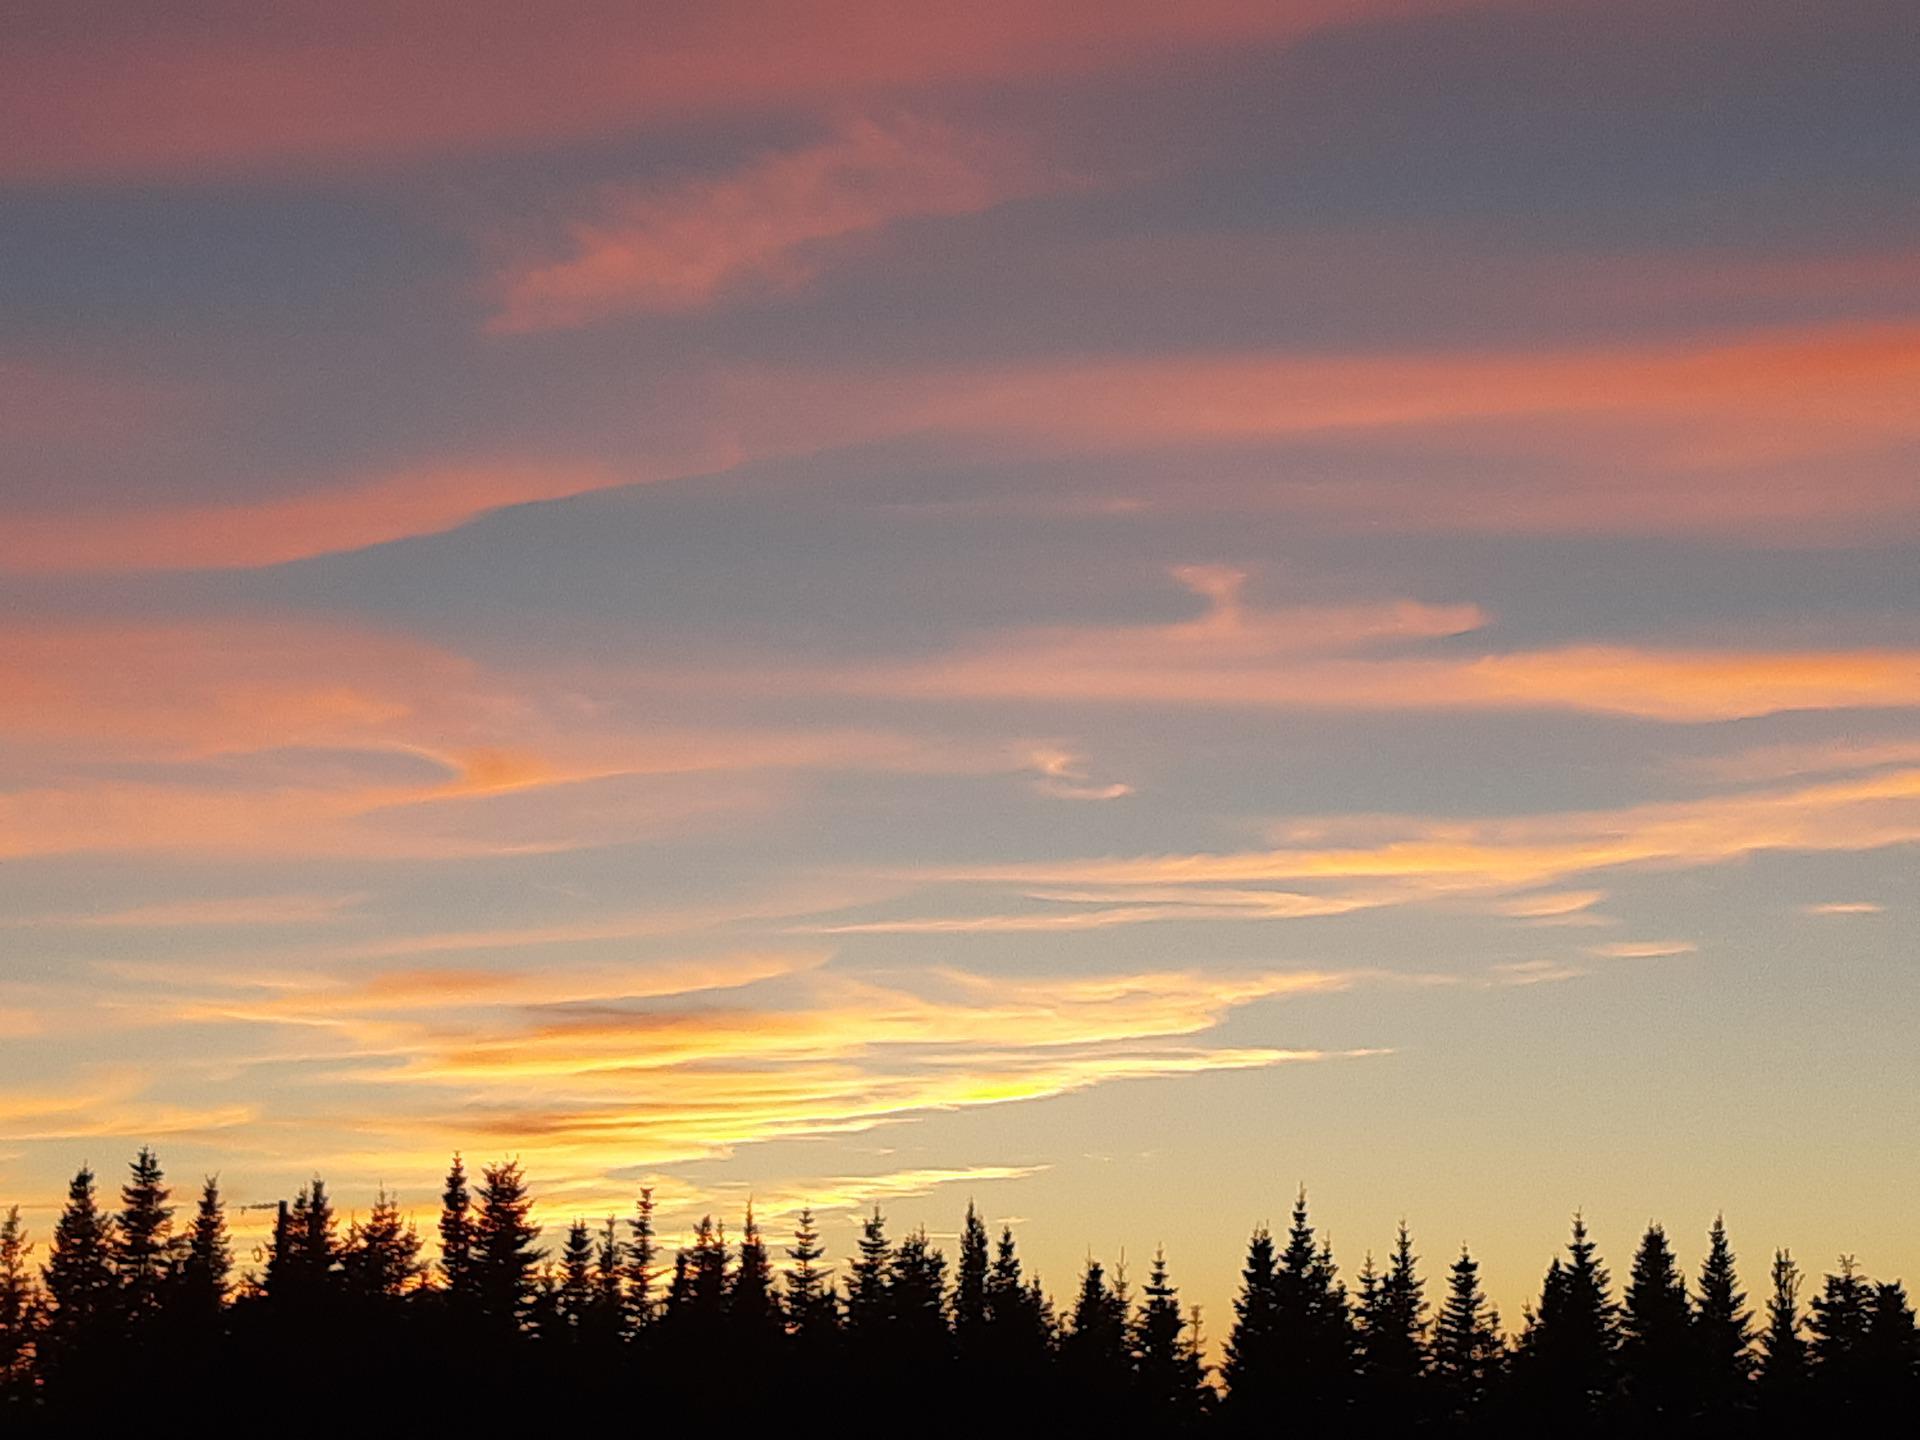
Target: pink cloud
[(360, 82), (767, 226)]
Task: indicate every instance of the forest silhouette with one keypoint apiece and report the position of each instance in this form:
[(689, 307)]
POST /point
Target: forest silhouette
[(139, 1313)]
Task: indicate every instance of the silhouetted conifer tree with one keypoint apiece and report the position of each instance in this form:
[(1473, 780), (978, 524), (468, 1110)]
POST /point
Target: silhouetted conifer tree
[(1170, 1382), (1468, 1353), (79, 1275), (207, 1270), (1658, 1360), (381, 1259), (753, 1309), (505, 1258), (1096, 1353), (917, 1301), (1838, 1319), (1783, 1349), (1723, 1333), (643, 1261), (574, 1291), (1390, 1321), (1569, 1350), (1253, 1364), (607, 1311), (19, 1307), (143, 1238), (456, 1233), (867, 1276), (811, 1309), (970, 1286), (1890, 1353)]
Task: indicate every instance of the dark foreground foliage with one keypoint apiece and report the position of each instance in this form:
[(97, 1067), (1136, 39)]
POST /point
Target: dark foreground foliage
[(134, 1314)]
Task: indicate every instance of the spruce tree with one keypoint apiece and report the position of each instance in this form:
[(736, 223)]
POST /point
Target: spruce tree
[(1096, 1351), (1657, 1356), (1170, 1381), (970, 1286), (456, 1232), (1838, 1319), (381, 1259), (1252, 1367), (19, 1305), (867, 1276), (79, 1275), (1467, 1350), (1569, 1350), (1890, 1352), (643, 1260), (916, 1302), (505, 1258), (753, 1309), (810, 1307), (607, 1311), (1783, 1349), (1391, 1326), (1723, 1331), (574, 1292), (143, 1235), (205, 1273)]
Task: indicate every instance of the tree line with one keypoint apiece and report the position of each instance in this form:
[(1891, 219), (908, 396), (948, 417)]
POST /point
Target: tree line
[(140, 1310)]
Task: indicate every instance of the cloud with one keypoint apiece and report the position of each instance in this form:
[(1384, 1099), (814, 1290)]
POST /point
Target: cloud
[(1643, 949), (766, 227), (1413, 860), (1063, 775), (1308, 658), (192, 914), (255, 533), (1843, 907), (326, 84)]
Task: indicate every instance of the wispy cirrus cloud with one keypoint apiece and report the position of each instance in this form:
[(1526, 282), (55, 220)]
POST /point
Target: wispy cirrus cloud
[(764, 228)]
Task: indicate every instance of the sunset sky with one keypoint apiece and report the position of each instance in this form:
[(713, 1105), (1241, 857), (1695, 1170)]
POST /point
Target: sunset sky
[(1107, 608)]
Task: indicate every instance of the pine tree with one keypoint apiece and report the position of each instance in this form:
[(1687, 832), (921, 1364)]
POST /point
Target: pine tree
[(382, 1256), (1019, 1321), (1467, 1349), (867, 1275), (1657, 1356), (143, 1233), (1169, 1379), (79, 1275), (456, 1232), (810, 1306), (19, 1305), (970, 1286), (209, 1261), (1569, 1350), (1723, 1331), (505, 1258)]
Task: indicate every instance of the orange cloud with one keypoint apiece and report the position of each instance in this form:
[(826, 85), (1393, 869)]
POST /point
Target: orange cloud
[(764, 227), (1239, 655), (1429, 859), (252, 534)]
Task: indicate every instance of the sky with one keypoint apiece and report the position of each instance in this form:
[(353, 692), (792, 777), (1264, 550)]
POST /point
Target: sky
[(1108, 609)]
